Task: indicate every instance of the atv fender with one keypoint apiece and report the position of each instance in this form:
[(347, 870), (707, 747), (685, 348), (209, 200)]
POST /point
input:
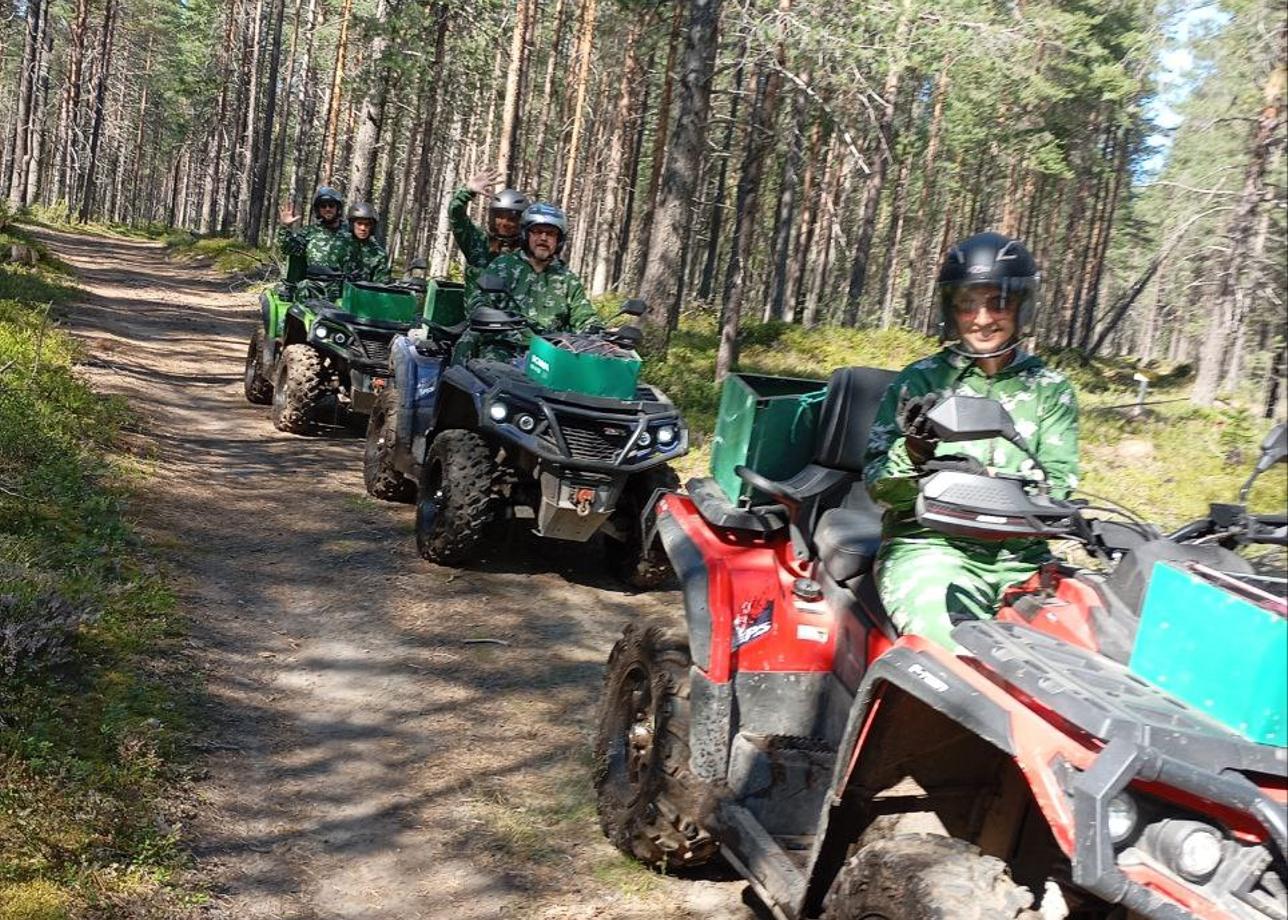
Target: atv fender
[(417, 377), (907, 670)]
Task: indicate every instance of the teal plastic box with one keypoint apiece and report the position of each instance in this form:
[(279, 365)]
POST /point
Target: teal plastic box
[(1222, 648), (767, 424)]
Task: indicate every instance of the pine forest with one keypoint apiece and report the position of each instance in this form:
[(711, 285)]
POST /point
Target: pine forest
[(804, 161)]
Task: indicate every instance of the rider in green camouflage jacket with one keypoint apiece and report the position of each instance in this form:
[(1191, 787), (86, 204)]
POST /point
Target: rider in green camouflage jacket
[(326, 243), (929, 581), (541, 286), (368, 259), (503, 213)]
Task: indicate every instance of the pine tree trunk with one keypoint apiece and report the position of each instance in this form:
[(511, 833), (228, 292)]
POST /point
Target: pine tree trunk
[(553, 58), (789, 188), (581, 80), (640, 251), (716, 221), (15, 179), (39, 103), (508, 149), (760, 139), (326, 169), (106, 36), (884, 150), (69, 111), (612, 191), (659, 284), (251, 124), (632, 180), (1233, 285)]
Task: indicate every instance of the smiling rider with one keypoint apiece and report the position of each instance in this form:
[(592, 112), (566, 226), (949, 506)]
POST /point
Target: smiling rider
[(929, 581)]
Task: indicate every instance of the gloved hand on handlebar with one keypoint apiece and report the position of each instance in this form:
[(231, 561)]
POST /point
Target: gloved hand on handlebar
[(919, 438)]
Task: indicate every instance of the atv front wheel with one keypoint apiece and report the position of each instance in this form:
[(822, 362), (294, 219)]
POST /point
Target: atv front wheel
[(644, 568), (457, 497), (382, 480), (258, 388), (924, 876), (651, 806), (299, 390)]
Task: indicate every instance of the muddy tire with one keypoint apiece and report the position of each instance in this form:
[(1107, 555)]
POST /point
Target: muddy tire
[(651, 805), (643, 568), (258, 388), (457, 497), (925, 877), (378, 473), (299, 390)]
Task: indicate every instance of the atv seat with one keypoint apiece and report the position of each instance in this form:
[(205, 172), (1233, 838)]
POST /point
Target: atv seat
[(847, 538), (833, 479)]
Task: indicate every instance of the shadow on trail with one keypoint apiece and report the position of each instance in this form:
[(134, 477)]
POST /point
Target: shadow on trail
[(387, 738)]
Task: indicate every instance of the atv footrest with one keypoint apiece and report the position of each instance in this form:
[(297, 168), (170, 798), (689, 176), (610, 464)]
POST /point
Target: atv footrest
[(781, 779)]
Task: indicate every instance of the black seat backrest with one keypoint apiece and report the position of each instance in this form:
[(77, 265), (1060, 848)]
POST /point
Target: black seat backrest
[(853, 394)]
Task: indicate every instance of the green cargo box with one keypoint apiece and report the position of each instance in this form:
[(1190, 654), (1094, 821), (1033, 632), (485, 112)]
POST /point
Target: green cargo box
[(444, 302), (375, 301), (1219, 644), (767, 424), (590, 374)]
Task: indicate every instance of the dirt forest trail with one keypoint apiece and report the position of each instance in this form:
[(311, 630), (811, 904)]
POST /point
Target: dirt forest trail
[(364, 757)]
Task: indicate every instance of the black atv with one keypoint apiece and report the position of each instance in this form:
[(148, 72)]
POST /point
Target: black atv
[(556, 429)]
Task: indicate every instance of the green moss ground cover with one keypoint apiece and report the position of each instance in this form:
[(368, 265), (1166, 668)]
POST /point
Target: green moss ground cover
[(92, 720)]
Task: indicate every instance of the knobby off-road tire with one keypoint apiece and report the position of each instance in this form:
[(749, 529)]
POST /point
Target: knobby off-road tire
[(300, 388), (644, 568), (382, 480), (651, 805), (926, 877), (258, 388), (457, 497)]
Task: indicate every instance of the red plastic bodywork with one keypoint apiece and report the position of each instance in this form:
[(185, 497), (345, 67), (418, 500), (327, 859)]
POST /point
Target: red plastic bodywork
[(1064, 611), (747, 572)]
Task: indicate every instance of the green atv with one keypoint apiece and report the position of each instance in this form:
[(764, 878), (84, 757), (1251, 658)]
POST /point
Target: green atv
[(318, 361)]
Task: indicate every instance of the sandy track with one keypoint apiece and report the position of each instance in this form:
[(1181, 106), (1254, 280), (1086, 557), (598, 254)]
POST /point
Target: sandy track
[(364, 759)]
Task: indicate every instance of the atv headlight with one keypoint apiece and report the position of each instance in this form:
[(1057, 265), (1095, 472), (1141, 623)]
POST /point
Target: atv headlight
[(526, 423), (498, 411), (645, 439), (1122, 817), (321, 332), (666, 435), (339, 338)]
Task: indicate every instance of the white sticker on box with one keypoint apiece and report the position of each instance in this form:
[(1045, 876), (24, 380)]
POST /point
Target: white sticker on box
[(811, 633)]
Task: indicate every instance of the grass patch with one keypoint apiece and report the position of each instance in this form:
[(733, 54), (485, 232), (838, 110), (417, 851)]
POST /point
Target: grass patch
[(92, 718), (59, 217), (225, 254)]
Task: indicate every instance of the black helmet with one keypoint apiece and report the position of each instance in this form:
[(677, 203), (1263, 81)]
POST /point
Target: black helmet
[(543, 214), (993, 259), (507, 199), (363, 211), (326, 193)]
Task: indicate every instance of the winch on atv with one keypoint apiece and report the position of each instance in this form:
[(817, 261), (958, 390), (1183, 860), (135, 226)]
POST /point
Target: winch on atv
[(1091, 752)]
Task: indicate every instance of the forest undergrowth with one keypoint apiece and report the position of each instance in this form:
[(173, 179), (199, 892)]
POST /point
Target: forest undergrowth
[(94, 709)]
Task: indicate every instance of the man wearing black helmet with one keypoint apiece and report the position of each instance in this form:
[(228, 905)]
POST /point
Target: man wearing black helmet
[(503, 213), (324, 243), (540, 284), (368, 259), (929, 581)]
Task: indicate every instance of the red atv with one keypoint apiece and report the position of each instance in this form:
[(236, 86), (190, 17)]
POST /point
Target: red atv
[(848, 772)]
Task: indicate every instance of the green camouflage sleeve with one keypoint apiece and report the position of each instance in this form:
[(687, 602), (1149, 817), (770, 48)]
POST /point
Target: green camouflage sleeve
[(375, 263), (291, 242), (471, 240), (890, 475), (1057, 437)]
